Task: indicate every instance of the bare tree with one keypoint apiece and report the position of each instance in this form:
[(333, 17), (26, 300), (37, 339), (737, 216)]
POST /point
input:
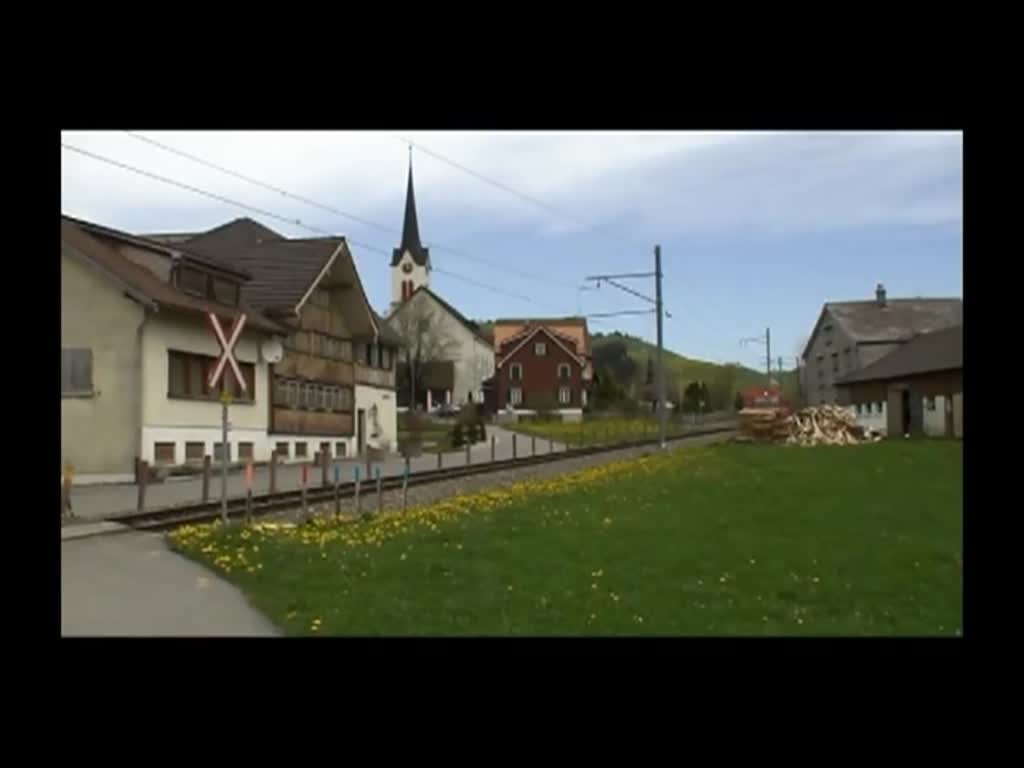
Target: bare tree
[(426, 341)]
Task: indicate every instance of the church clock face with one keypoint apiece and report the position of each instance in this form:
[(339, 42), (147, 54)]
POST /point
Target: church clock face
[(407, 267)]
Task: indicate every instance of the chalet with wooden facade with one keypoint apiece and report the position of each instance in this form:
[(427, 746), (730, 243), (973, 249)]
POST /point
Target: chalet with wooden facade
[(541, 368), (333, 388), (136, 351)]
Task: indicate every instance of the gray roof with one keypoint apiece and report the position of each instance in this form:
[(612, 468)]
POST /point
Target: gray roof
[(941, 350), (282, 269), (897, 319), (230, 238)]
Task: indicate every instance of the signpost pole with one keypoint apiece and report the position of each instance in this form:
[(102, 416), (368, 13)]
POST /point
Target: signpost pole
[(224, 460)]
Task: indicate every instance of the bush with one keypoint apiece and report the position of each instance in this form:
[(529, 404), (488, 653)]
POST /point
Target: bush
[(458, 435)]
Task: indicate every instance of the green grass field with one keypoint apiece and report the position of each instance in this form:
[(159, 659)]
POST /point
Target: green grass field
[(597, 431), (722, 540)]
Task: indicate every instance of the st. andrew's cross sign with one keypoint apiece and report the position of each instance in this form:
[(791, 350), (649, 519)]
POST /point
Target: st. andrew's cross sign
[(227, 346), (227, 357)]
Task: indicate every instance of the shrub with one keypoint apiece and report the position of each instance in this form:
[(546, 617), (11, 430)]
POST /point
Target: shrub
[(458, 436)]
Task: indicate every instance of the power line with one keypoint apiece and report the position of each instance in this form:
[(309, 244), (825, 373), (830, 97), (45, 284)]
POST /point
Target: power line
[(190, 188), (522, 195), (330, 209), (259, 183), (278, 217)]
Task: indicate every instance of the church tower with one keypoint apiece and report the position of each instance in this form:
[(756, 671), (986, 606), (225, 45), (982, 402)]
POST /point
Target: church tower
[(410, 261)]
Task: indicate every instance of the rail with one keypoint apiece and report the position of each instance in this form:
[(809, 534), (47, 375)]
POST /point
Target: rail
[(196, 512)]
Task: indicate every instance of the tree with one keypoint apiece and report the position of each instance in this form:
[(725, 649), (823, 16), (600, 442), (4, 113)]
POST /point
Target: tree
[(426, 340)]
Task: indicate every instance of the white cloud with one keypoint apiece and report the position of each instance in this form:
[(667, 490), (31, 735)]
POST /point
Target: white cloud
[(662, 184)]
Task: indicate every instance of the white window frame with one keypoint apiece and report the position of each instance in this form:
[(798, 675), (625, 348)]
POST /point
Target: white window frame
[(515, 395), (540, 349), (293, 394), (513, 369), (565, 395)]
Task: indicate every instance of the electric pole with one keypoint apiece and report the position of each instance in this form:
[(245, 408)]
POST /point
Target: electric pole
[(767, 341), (659, 309), (661, 364)]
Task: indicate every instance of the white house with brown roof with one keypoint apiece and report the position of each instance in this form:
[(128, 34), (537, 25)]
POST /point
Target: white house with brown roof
[(136, 348)]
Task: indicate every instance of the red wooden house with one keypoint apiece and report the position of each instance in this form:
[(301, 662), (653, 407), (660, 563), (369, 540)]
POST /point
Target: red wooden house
[(540, 368)]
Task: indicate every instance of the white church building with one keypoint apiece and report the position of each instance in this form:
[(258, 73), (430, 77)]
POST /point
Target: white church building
[(455, 356)]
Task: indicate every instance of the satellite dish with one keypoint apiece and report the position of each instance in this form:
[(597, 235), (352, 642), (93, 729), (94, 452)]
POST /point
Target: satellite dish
[(272, 351)]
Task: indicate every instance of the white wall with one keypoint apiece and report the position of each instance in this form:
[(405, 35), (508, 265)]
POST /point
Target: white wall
[(474, 359), (387, 415), (167, 419), (419, 276), (875, 419), (935, 421), (312, 446)]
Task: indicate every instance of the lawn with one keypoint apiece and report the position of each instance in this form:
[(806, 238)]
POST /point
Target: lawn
[(721, 540), (594, 431)]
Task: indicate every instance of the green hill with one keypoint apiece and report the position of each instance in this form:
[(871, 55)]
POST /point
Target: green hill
[(625, 357)]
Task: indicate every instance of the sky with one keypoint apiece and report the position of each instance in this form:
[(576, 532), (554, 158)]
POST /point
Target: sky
[(757, 230)]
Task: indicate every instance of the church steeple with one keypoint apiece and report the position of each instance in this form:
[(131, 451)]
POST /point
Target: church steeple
[(410, 229), (410, 262)]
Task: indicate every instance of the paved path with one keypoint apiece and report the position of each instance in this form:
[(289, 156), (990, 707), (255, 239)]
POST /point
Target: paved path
[(130, 584)]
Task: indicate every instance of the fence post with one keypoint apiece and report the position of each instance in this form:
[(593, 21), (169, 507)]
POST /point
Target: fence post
[(467, 454), (533, 445), (406, 465), (143, 479), (325, 460), (248, 492), (514, 453), (337, 495), (492, 448), (405, 487), (380, 493), (359, 504), (439, 457), (273, 471), (206, 478), (305, 479)]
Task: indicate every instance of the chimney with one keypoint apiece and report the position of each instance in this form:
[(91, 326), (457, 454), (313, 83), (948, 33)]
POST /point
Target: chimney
[(880, 294)]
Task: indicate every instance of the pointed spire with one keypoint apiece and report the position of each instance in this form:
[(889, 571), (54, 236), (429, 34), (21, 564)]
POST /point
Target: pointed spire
[(410, 228)]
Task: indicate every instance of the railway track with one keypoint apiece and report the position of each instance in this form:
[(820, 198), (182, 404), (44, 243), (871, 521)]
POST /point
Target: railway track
[(166, 518)]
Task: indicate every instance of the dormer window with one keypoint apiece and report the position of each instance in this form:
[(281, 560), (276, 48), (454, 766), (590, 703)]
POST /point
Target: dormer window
[(540, 349), (198, 282), (193, 281)]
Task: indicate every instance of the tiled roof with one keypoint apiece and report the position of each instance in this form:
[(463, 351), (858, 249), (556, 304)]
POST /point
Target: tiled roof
[(146, 283)]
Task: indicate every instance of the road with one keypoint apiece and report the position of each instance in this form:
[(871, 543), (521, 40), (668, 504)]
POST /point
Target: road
[(132, 585)]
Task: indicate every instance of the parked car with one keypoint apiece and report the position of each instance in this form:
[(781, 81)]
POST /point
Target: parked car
[(448, 409)]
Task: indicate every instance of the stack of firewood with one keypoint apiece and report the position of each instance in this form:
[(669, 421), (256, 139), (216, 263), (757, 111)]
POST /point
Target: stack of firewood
[(818, 425), (828, 425)]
